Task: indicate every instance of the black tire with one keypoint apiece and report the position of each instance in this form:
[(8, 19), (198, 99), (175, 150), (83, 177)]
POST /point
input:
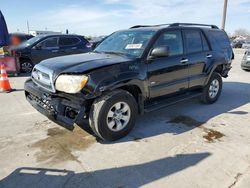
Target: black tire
[(26, 66), (247, 70), (99, 114), (206, 97)]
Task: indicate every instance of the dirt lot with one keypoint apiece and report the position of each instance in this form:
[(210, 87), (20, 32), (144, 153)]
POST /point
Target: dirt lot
[(185, 145)]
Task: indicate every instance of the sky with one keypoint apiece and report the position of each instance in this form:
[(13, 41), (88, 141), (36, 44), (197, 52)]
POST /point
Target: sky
[(102, 17)]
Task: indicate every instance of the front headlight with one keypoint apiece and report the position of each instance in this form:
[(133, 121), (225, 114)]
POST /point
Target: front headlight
[(71, 83)]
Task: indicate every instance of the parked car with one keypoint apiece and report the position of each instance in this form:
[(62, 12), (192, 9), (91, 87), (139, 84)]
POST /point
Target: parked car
[(245, 63), (43, 47), (246, 45), (132, 71), (17, 38), (237, 44), (96, 41)]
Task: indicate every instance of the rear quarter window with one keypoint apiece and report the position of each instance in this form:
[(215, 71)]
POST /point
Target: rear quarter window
[(68, 41), (219, 39)]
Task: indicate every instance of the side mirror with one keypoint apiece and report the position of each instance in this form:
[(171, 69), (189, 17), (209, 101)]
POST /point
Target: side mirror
[(162, 51)]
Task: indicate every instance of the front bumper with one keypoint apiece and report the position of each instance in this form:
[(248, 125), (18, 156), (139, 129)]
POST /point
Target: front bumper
[(63, 110)]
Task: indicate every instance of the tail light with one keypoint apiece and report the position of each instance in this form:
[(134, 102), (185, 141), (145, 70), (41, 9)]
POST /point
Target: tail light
[(89, 45)]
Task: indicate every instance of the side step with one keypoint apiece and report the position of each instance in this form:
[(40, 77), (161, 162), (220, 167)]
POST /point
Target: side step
[(165, 102)]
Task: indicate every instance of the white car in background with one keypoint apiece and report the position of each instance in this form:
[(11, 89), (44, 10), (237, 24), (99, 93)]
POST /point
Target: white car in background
[(246, 45)]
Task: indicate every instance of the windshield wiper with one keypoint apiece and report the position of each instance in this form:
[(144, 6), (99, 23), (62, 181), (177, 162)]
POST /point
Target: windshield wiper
[(116, 53)]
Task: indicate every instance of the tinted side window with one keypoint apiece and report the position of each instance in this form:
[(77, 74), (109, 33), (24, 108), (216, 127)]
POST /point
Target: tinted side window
[(68, 41), (172, 39), (220, 38), (193, 41), (50, 43), (84, 41)]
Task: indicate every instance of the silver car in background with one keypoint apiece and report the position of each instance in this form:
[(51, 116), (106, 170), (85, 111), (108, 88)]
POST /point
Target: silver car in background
[(245, 64), (246, 45)]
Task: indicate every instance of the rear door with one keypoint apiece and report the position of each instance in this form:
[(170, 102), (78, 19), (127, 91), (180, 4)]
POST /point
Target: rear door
[(167, 75), (45, 49), (198, 54), (72, 45)]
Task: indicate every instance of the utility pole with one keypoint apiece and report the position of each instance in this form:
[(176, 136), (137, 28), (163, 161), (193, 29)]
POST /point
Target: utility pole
[(224, 15), (28, 27)]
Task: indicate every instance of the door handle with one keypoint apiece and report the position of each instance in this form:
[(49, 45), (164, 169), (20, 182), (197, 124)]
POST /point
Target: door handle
[(209, 55), (184, 61), (54, 51)]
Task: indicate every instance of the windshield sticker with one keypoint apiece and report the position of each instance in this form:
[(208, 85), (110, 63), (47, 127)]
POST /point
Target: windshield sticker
[(133, 46)]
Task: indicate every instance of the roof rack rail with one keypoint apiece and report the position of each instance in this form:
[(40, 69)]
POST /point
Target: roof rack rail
[(138, 26), (176, 25), (193, 24)]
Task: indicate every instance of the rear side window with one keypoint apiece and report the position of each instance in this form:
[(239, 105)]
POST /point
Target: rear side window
[(193, 41), (219, 39), (173, 40), (68, 41), (50, 43)]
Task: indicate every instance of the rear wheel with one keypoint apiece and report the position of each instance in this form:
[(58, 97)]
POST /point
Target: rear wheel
[(26, 66), (113, 115), (212, 90)]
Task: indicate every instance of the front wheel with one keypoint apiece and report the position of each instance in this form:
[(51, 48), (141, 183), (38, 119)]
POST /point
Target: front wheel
[(212, 90), (113, 115)]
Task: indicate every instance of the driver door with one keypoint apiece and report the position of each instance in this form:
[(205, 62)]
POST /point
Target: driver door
[(167, 75), (45, 49)]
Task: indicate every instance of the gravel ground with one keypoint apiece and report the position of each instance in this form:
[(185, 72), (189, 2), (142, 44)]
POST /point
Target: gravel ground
[(186, 145)]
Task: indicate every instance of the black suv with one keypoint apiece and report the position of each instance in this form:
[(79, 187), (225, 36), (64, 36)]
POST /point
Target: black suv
[(131, 72), (43, 47)]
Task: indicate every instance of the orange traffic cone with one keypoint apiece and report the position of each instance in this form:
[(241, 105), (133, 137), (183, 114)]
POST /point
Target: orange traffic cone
[(4, 81)]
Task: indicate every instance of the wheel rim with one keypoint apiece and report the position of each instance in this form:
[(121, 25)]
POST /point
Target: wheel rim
[(26, 67), (118, 116), (214, 88)]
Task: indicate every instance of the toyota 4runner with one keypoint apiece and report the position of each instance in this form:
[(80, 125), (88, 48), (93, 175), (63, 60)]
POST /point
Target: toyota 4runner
[(131, 72)]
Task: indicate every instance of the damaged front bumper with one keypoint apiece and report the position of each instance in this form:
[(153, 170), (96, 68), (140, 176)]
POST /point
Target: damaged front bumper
[(64, 110)]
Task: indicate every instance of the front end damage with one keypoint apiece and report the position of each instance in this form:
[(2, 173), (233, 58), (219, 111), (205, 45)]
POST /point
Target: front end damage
[(63, 109)]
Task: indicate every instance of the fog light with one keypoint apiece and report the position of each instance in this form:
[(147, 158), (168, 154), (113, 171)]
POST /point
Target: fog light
[(71, 113)]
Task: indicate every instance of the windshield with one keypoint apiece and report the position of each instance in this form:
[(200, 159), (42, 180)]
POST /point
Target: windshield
[(31, 41), (130, 43)]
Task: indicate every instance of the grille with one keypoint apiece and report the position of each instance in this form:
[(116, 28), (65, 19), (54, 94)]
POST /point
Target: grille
[(43, 77), (43, 103)]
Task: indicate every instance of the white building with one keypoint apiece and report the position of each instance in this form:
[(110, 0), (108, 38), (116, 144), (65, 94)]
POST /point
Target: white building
[(36, 33)]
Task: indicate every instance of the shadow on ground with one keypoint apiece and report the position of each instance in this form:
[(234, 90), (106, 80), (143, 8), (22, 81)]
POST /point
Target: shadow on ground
[(128, 176), (185, 116)]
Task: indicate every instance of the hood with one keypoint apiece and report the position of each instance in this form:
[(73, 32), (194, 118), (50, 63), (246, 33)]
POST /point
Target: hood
[(82, 62)]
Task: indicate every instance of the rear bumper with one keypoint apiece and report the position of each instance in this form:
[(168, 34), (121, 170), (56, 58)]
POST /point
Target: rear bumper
[(64, 111)]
